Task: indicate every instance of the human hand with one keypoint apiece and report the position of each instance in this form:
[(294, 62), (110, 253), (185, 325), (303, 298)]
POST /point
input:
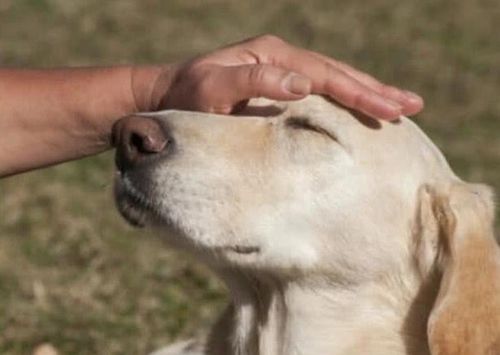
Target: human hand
[(266, 66), (56, 115)]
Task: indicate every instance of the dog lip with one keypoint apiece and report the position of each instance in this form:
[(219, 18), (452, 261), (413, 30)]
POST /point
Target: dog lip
[(131, 203), (244, 249), (134, 221), (130, 211)]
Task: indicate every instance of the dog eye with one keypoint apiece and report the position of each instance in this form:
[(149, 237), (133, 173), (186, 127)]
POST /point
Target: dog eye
[(301, 123), (304, 124)]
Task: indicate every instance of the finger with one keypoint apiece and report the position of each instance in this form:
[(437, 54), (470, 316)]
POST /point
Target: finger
[(410, 102), (363, 93), (344, 88), (354, 94), (265, 48), (331, 81), (382, 99), (228, 86)]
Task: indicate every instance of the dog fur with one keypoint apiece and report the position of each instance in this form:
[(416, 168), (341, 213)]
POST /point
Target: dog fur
[(334, 233)]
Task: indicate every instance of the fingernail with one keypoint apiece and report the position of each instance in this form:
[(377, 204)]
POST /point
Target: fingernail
[(393, 105), (393, 110), (412, 96), (297, 84)]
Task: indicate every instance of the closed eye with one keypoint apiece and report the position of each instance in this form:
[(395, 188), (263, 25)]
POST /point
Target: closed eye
[(298, 122)]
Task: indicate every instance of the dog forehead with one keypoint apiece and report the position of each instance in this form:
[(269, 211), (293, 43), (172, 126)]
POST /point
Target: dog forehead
[(398, 147)]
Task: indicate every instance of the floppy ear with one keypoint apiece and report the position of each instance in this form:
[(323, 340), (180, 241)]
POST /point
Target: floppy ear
[(465, 318)]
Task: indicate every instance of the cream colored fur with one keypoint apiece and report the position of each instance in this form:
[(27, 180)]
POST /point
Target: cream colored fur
[(331, 231)]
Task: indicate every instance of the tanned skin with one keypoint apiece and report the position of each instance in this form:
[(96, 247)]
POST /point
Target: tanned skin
[(52, 116)]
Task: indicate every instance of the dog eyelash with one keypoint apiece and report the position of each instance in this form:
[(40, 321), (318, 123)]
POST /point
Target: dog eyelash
[(305, 124)]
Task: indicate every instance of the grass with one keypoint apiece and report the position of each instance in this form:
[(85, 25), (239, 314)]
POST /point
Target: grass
[(72, 273)]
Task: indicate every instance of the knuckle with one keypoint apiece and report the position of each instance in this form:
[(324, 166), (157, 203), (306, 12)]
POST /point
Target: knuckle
[(201, 83), (387, 89), (256, 74), (354, 99), (330, 77), (204, 88), (269, 40), (187, 73), (357, 99)]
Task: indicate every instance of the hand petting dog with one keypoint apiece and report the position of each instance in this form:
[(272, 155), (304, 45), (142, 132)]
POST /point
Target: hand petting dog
[(52, 116), (267, 66)]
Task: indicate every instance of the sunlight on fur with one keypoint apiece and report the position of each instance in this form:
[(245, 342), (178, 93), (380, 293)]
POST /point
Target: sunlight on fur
[(334, 234)]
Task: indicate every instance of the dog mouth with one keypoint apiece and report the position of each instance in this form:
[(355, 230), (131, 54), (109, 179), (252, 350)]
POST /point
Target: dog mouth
[(141, 211), (134, 206), (242, 249)]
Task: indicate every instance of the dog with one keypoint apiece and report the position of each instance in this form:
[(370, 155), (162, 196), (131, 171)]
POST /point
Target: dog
[(334, 233)]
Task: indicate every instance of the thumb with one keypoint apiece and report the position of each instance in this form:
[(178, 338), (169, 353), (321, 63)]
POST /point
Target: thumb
[(242, 82)]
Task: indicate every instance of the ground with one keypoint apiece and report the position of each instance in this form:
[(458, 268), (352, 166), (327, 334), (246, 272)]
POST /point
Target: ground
[(73, 274)]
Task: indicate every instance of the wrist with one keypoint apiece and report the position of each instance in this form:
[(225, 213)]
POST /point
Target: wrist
[(150, 84)]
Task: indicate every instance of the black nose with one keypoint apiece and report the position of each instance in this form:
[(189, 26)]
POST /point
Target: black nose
[(138, 139)]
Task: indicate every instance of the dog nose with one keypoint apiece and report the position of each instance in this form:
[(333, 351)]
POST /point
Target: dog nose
[(137, 139)]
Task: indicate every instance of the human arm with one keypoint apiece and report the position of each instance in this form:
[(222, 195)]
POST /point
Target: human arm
[(51, 116)]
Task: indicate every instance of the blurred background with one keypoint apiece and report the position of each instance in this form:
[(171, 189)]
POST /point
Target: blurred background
[(73, 274)]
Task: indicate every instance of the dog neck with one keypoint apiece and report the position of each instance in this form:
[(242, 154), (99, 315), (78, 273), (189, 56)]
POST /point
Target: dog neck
[(269, 316)]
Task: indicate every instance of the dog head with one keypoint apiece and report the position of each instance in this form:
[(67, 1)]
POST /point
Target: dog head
[(298, 186), (308, 188)]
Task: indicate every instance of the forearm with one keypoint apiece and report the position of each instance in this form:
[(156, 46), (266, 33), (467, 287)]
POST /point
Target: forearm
[(51, 116)]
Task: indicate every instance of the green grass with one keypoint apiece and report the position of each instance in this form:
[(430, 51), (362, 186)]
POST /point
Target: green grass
[(73, 274)]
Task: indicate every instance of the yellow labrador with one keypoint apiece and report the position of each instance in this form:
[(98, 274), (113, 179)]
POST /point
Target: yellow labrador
[(335, 234)]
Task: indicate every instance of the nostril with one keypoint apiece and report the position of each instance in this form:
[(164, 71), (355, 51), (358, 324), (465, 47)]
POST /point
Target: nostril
[(135, 141), (154, 144), (147, 142), (139, 138)]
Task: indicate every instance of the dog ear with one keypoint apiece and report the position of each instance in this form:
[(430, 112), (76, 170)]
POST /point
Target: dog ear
[(456, 224)]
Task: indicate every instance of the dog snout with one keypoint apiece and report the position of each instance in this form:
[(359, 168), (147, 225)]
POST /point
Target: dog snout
[(139, 139)]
